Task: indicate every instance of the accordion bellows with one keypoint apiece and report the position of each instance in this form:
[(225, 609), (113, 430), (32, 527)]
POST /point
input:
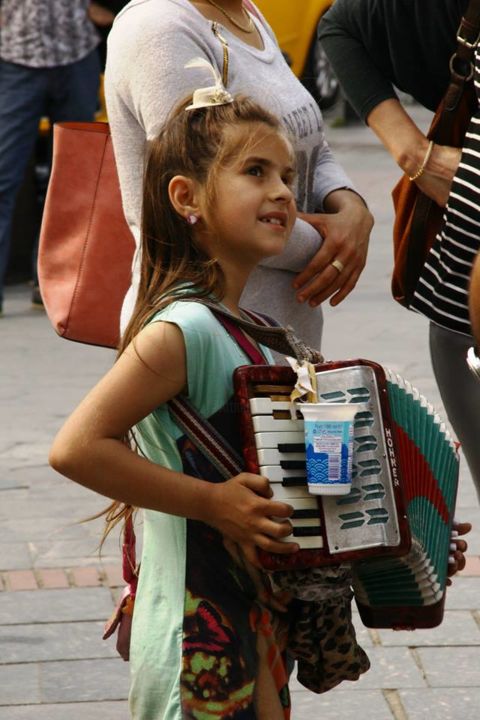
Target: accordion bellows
[(395, 525)]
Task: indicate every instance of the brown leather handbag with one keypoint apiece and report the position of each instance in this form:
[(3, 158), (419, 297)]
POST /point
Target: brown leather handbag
[(418, 219), (86, 247)]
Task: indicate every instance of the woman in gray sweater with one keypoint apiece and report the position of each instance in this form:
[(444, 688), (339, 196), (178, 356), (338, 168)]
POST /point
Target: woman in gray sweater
[(150, 43)]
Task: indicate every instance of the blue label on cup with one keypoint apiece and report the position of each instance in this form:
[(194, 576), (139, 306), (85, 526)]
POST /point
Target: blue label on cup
[(328, 446)]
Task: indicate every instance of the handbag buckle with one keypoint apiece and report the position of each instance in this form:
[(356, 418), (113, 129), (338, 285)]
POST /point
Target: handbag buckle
[(463, 41), (454, 71)]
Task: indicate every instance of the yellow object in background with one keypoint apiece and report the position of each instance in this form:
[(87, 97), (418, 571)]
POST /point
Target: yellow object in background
[(295, 25)]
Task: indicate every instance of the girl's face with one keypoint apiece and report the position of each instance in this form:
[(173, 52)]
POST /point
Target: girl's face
[(254, 208)]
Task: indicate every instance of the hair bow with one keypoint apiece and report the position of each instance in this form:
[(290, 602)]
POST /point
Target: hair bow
[(208, 96)]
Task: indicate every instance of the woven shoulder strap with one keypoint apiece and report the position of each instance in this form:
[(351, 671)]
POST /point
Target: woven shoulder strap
[(279, 339)]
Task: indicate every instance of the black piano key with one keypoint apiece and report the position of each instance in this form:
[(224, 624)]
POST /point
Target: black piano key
[(305, 514), (291, 447), (293, 464), (294, 481), (306, 531)]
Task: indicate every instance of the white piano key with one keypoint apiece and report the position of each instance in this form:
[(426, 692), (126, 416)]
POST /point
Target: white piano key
[(307, 543), (265, 406), (273, 439), (273, 457), (276, 474), (267, 423), (307, 503), (289, 494)]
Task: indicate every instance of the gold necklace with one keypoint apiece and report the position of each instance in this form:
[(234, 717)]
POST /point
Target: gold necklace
[(251, 25)]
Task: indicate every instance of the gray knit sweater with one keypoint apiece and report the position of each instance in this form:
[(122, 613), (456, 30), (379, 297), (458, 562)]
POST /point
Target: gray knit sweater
[(149, 45)]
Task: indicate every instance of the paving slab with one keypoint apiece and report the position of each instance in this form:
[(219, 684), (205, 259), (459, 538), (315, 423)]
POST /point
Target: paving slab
[(64, 552), (15, 556), (458, 628), (464, 594), (53, 641), (19, 684), (452, 666), (70, 711), (391, 668), (344, 705), (43, 529), (446, 704), (55, 606), (84, 681)]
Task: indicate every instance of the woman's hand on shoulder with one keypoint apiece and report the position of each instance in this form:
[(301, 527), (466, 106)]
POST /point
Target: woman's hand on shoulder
[(345, 229), (241, 509)]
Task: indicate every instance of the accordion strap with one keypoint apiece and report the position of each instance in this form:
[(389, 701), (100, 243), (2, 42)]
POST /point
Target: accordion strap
[(264, 331)]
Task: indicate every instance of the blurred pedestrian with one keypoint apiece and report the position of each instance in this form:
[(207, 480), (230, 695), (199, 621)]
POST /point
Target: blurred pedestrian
[(49, 66), (374, 45)]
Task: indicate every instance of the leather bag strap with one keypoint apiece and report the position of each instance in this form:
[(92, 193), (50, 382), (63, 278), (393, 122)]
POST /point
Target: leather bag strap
[(461, 63)]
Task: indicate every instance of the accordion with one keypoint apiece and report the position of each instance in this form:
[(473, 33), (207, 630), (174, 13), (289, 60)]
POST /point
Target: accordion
[(394, 526)]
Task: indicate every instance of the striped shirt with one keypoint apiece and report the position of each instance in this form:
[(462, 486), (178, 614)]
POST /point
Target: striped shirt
[(442, 291), (46, 33)]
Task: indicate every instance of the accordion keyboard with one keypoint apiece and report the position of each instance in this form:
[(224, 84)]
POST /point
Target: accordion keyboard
[(281, 458), (366, 518)]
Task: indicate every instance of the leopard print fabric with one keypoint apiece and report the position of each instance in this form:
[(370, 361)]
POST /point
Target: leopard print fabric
[(321, 637)]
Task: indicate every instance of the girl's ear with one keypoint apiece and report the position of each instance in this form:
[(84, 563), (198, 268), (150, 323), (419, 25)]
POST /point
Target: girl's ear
[(183, 195)]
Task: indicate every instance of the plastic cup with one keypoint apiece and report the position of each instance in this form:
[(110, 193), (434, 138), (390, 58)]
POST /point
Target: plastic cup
[(329, 446)]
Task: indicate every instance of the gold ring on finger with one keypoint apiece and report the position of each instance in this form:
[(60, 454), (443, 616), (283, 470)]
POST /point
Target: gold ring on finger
[(338, 265)]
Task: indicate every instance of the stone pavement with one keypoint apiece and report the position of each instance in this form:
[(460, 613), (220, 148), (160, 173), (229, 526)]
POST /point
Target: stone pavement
[(55, 592)]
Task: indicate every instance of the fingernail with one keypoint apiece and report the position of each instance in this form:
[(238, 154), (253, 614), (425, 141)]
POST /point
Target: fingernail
[(454, 534), (301, 298)]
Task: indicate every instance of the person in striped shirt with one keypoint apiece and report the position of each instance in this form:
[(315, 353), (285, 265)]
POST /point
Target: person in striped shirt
[(365, 41)]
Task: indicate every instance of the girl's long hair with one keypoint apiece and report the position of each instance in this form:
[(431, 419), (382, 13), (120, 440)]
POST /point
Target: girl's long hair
[(193, 143)]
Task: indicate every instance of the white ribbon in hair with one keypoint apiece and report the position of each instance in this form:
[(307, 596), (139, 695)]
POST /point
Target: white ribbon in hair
[(208, 96)]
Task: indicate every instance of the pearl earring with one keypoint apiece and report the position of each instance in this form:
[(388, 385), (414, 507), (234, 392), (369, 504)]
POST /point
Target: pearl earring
[(192, 219)]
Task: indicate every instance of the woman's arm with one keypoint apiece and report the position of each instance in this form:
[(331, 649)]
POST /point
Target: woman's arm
[(89, 450), (408, 147), (365, 42)]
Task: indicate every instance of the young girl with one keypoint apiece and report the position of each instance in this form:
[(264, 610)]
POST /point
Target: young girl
[(217, 199)]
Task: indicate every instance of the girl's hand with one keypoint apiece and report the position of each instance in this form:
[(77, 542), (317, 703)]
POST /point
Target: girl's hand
[(456, 561), (345, 239), (241, 509), (436, 180)]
